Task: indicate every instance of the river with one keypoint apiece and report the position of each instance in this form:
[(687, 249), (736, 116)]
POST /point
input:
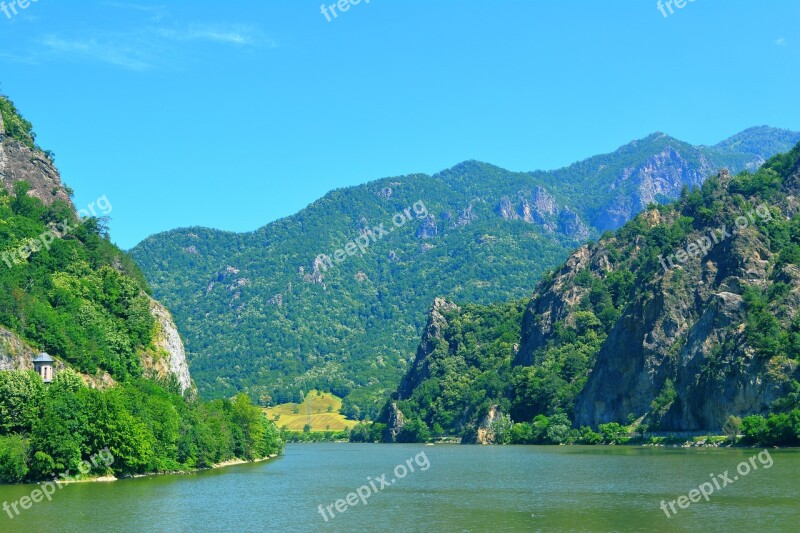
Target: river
[(440, 488)]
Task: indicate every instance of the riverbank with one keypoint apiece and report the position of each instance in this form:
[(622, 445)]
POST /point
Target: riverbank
[(108, 479), (234, 462)]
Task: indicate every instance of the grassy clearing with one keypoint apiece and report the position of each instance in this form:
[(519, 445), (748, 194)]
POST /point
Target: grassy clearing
[(319, 409)]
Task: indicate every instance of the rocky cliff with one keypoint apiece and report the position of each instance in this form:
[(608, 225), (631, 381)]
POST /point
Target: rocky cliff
[(20, 162), (171, 355), (684, 317), (431, 339), (660, 177), (685, 351), (15, 354)]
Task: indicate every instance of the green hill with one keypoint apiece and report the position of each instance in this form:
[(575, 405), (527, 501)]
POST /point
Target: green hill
[(260, 315), (318, 410), (686, 319), (66, 289)]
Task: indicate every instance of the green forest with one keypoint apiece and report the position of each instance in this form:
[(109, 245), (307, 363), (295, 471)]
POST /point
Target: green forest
[(258, 318), (472, 364), (146, 426), (78, 297)]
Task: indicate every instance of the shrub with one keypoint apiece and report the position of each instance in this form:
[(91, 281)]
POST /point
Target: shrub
[(753, 429), (587, 436), (13, 459), (613, 433)]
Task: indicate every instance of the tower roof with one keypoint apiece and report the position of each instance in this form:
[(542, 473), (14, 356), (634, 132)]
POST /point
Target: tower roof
[(43, 358)]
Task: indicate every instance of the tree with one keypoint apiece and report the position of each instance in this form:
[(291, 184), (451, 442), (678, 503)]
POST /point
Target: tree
[(522, 433), (500, 429), (587, 436), (731, 428), (558, 429), (21, 394), (58, 436), (414, 430), (613, 433), (753, 429), (13, 459)]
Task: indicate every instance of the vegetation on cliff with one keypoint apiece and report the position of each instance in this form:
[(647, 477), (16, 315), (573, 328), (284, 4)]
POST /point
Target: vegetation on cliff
[(734, 347), (261, 317), (67, 290), (82, 300)]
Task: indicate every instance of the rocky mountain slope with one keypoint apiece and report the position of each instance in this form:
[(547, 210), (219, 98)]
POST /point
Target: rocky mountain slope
[(262, 312), (22, 161), (686, 316), (121, 382)]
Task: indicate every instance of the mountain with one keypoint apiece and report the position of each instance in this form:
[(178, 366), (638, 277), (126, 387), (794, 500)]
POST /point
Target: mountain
[(263, 312), (41, 232), (121, 382), (685, 317)]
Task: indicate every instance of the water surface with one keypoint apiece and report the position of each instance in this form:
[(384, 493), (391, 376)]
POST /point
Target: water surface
[(465, 488)]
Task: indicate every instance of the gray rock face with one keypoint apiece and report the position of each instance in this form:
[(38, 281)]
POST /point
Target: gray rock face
[(569, 223), (506, 209), (485, 433), (20, 163), (685, 327), (15, 354), (466, 216), (539, 207), (428, 228), (395, 421), (661, 176), (744, 390), (168, 340), (543, 201)]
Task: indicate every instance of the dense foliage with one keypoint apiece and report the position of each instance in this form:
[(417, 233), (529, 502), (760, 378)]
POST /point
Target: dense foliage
[(144, 425), (470, 365), (267, 329), (258, 318), (775, 430), (65, 289), (82, 299), (15, 125)]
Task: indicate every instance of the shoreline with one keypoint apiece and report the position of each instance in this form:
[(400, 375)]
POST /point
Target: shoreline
[(110, 479), (683, 445)]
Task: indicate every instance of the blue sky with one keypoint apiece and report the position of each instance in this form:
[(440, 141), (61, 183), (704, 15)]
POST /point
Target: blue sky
[(233, 114)]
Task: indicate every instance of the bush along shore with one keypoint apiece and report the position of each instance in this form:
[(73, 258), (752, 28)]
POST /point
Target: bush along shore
[(137, 428), (777, 430)]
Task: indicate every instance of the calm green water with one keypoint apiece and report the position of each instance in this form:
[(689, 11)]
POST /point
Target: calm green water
[(464, 488)]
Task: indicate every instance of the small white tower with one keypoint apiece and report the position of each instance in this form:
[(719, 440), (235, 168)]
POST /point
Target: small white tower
[(43, 365)]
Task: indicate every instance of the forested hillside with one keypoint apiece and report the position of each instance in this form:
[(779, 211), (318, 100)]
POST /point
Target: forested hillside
[(262, 315), (685, 319), (67, 290)]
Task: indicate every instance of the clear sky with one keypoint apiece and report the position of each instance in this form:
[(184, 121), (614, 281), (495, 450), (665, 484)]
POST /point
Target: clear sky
[(231, 114)]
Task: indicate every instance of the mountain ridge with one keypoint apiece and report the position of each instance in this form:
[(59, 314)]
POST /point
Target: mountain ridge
[(685, 319), (260, 314), (763, 130)]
